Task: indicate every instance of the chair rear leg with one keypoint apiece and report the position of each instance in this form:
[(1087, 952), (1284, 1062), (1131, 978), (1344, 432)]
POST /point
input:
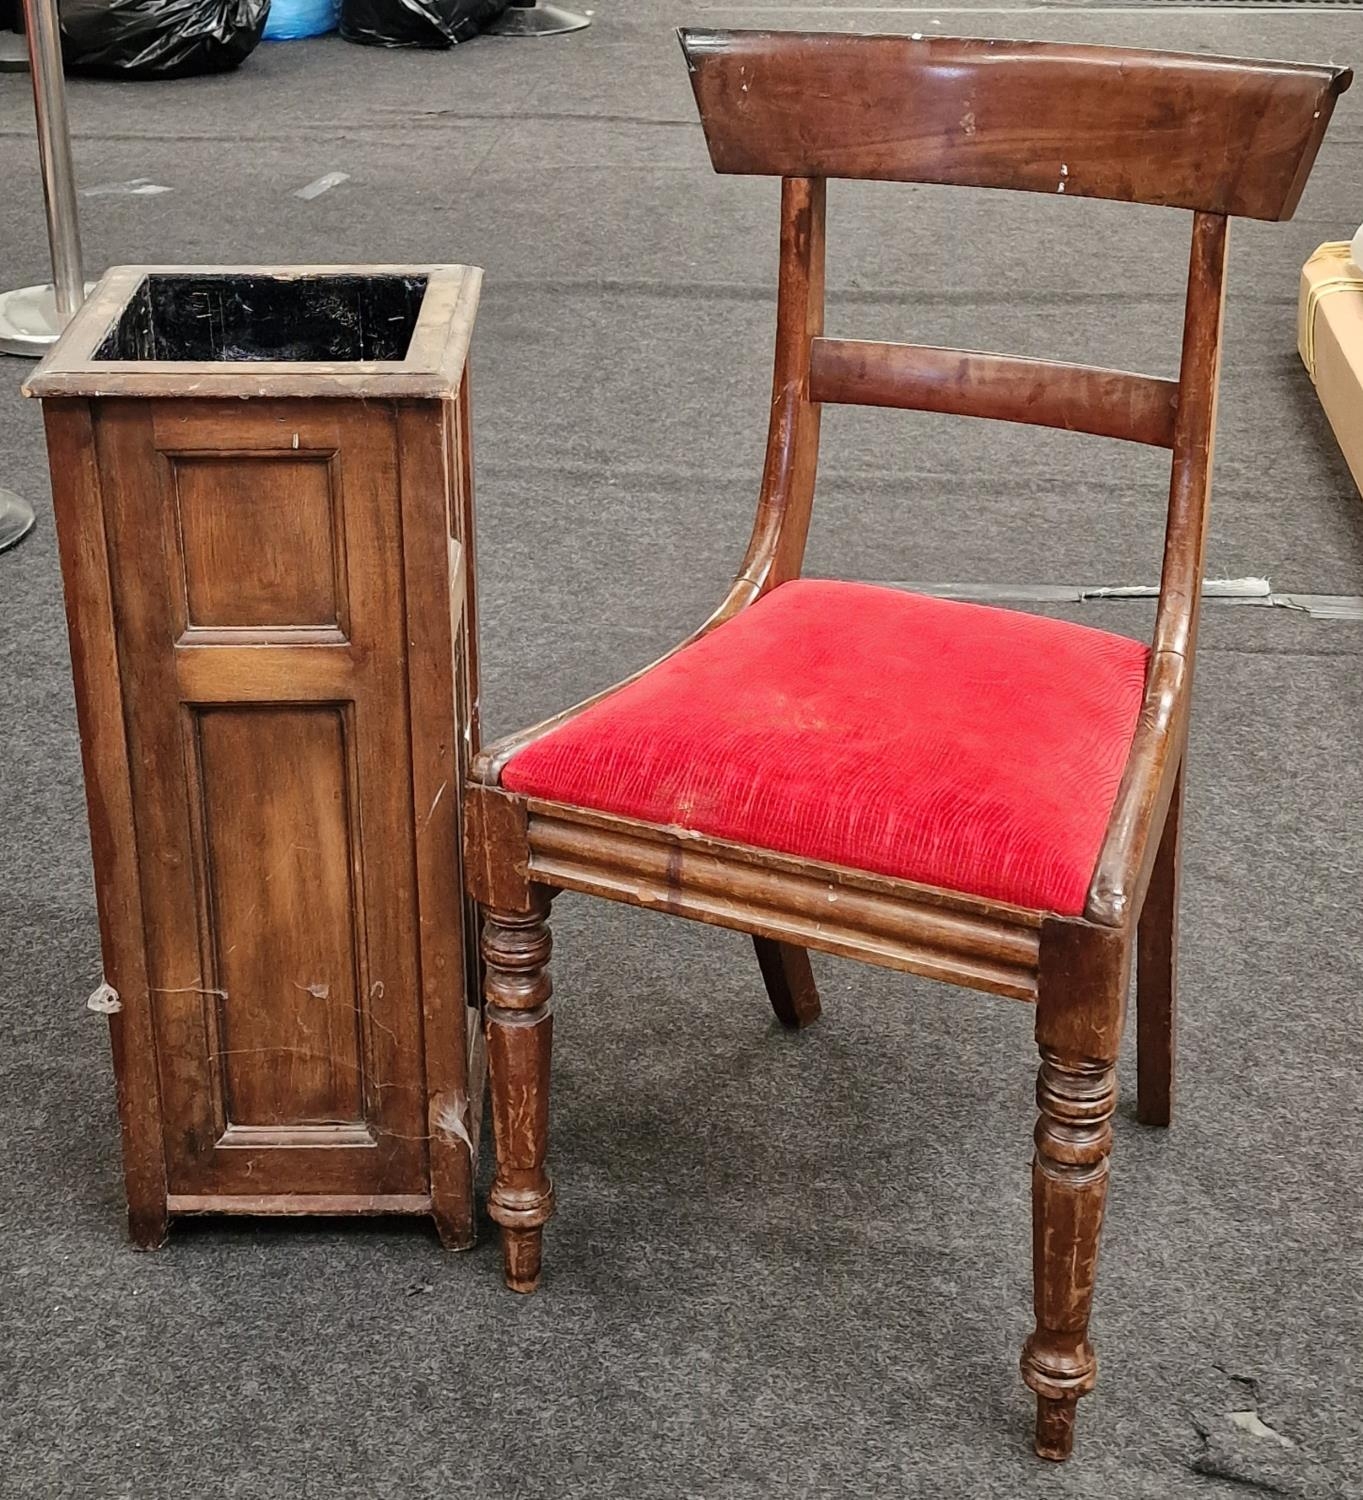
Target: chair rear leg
[(790, 983), (1157, 976), (520, 1029)]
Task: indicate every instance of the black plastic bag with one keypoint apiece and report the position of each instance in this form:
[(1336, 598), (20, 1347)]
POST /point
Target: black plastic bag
[(159, 38), (416, 23)]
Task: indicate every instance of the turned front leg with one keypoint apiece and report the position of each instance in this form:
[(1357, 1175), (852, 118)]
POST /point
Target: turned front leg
[(1076, 1098), (520, 1028)]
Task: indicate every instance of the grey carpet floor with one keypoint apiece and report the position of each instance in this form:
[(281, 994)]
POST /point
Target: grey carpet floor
[(781, 1266)]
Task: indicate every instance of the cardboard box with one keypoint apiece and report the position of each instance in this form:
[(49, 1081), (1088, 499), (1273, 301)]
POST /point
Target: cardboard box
[(1330, 339)]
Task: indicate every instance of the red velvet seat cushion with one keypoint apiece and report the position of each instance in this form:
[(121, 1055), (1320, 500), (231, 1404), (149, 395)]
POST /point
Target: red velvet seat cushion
[(963, 747)]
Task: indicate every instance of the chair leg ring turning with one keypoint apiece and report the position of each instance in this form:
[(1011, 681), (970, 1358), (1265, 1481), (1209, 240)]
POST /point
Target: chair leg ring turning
[(1076, 1098), (520, 1026)]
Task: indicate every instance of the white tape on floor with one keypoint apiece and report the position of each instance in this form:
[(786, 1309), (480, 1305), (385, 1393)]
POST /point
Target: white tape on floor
[(1251, 591)]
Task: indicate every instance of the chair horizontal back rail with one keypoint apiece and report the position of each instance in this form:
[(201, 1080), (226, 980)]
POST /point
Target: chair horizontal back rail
[(1226, 135), (1007, 388)]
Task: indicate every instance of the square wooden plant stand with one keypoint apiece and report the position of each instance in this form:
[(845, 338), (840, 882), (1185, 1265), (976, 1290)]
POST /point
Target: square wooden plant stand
[(263, 496)]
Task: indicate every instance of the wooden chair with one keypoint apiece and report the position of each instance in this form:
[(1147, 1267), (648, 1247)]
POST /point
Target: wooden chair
[(748, 780)]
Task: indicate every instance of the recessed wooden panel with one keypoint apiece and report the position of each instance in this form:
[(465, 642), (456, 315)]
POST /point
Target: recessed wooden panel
[(258, 540), (279, 866)]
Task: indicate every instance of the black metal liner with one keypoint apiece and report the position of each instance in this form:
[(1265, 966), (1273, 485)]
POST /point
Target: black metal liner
[(226, 319)]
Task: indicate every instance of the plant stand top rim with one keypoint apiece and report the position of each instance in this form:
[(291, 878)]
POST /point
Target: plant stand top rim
[(431, 369)]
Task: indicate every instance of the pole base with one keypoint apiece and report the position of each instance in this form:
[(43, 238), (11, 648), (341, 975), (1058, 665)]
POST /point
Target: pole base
[(29, 323), (536, 20), (13, 53), (16, 519)]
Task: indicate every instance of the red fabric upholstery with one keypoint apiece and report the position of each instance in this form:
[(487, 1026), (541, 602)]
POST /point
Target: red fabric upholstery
[(968, 748)]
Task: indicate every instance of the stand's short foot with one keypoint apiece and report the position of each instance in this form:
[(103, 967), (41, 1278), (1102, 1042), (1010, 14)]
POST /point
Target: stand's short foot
[(521, 1258), (1055, 1427), (148, 1228), (454, 1231)]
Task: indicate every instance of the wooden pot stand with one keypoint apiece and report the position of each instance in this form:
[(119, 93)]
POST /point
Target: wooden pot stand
[(263, 496)]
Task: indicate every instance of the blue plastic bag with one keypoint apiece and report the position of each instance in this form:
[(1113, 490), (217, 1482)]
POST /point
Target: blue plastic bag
[(291, 19)]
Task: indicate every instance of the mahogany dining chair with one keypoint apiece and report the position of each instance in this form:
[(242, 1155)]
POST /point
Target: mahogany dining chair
[(976, 795)]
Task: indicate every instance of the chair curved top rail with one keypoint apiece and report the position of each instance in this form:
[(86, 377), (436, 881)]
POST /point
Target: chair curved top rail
[(1224, 135)]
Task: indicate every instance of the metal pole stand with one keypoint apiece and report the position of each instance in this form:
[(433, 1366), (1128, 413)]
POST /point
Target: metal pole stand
[(16, 519), (31, 317), (535, 18)]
